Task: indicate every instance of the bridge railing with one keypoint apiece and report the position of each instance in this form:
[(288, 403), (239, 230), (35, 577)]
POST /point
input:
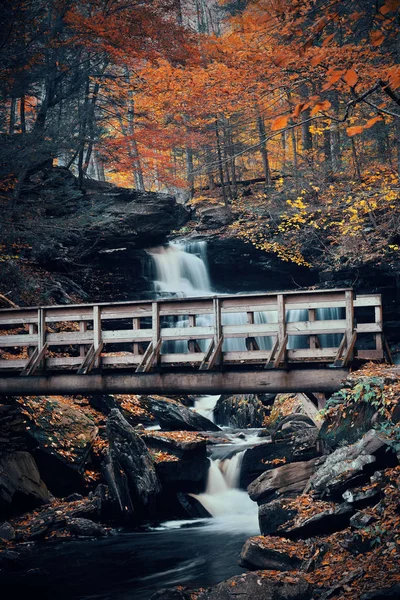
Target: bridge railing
[(274, 329)]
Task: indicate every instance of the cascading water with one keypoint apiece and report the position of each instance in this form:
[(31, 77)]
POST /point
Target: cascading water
[(181, 269)]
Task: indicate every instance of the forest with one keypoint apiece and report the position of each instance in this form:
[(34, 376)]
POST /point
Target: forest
[(200, 299)]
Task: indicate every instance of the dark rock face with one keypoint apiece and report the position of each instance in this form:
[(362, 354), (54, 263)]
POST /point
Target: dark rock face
[(175, 417), (324, 523), (255, 556), (129, 469), (212, 216), (347, 467), (171, 594), (7, 532), (21, 487), (237, 266), (12, 429), (291, 424), (62, 437), (288, 481), (239, 411), (383, 593), (339, 429), (273, 515), (188, 467), (251, 586), (192, 507), (85, 528), (300, 446)]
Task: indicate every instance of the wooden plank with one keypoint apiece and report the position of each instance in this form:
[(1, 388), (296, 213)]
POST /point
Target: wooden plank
[(207, 354), (379, 322), (153, 358), (349, 316), (367, 300), (311, 318), (370, 354), (280, 353), (180, 358), (83, 329), (339, 353), (349, 350), (368, 328), (7, 341), (35, 361), (271, 354), (186, 333), (192, 343), (145, 357), (156, 332), (11, 363), (215, 356), (136, 326)]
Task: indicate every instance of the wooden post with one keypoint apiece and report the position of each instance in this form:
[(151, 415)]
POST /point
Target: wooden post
[(82, 329), (97, 333), (41, 331), (379, 321), (217, 327), (192, 343), (281, 328), (313, 338), (156, 331), (349, 316), (32, 330), (136, 325)]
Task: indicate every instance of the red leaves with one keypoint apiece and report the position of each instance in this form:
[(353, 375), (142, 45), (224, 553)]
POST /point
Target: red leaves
[(377, 38), (320, 106), (351, 77)]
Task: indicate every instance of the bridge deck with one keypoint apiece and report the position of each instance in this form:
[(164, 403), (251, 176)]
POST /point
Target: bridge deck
[(117, 338)]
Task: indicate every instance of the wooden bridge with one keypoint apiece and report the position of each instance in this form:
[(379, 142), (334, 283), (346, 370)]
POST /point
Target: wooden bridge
[(132, 347)]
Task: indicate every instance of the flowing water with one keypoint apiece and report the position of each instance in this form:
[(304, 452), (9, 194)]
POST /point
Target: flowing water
[(134, 565)]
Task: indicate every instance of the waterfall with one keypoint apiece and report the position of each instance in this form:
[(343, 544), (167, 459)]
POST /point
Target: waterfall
[(204, 405), (230, 506), (181, 269)]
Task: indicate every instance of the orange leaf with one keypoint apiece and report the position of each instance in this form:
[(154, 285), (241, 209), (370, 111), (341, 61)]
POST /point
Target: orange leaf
[(334, 76), (298, 109), (280, 122), (328, 39), (372, 122), (317, 59), (354, 130), (324, 105), (377, 38), (351, 77)]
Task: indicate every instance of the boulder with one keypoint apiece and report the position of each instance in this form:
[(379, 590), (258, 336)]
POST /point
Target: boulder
[(273, 515), (171, 594), (300, 446), (7, 532), (129, 469), (12, 429), (21, 487), (289, 481), (363, 496), (326, 522), (257, 555), (260, 586), (85, 528), (385, 593), (63, 437), (212, 216), (291, 424), (192, 507), (240, 411), (360, 520), (172, 416), (347, 467)]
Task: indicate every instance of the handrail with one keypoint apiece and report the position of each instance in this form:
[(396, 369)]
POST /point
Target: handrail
[(134, 334)]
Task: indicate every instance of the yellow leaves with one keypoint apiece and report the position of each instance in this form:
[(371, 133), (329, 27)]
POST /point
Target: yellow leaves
[(320, 106), (280, 123), (351, 77), (377, 38)]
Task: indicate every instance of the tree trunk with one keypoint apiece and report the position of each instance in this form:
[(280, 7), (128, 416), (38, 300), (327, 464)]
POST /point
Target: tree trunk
[(334, 137), (82, 132), (220, 168), (398, 145), (355, 159), (22, 113), (263, 149), (231, 153), (306, 135), (295, 161), (133, 148), (13, 106), (189, 170)]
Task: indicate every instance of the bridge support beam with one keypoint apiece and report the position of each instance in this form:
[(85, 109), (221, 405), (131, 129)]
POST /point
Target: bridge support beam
[(179, 382)]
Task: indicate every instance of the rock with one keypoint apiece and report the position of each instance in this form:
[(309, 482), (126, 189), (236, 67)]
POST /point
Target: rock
[(291, 424), (73, 497), (255, 555), (9, 559), (259, 586), (7, 532), (53, 519), (212, 216), (288, 481), (347, 466), (240, 411), (392, 591), (324, 523), (21, 487), (273, 515), (362, 497), (85, 528), (301, 446), (129, 470), (12, 429), (63, 437), (171, 594), (172, 416), (192, 507), (360, 520)]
